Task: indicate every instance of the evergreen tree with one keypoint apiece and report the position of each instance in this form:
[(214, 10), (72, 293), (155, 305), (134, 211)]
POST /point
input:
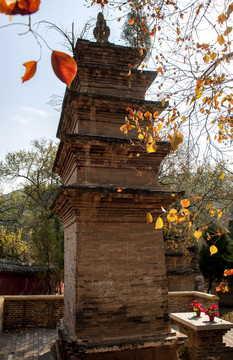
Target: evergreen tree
[(213, 266), (136, 34)]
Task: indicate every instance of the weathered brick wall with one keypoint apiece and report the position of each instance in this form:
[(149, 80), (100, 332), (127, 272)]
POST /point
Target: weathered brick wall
[(181, 282), (183, 273), (70, 278), (122, 289), (1, 313), (32, 311), (179, 301)]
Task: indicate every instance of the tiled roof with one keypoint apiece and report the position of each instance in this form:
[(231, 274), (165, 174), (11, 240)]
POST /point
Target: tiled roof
[(9, 266)]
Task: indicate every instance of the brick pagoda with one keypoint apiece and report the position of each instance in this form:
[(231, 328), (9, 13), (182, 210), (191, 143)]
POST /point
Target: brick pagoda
[(116, 297)]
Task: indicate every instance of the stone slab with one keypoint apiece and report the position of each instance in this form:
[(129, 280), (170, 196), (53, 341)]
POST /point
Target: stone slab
[(200, 323)]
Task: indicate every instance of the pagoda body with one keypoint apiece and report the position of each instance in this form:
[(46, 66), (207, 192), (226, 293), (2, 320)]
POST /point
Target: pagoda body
[(116, 297)]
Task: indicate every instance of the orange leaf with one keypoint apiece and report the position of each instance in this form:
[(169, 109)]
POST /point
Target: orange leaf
[(159, 223), (222, 18), (64, 66), (229, 10), (30, 70), (131, 22), (221, 40), (197, 198), (160, 70), (228, 272), (185, 203), (21, 7), (222, 287), (227, 31)]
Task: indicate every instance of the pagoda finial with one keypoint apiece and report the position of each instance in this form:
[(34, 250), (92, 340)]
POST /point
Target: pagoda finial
[(101, 31)]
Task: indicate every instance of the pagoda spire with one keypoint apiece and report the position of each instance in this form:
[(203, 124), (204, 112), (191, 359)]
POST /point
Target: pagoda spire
[(101, 31)]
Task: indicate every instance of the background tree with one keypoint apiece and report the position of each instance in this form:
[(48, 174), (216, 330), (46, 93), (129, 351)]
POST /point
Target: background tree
[(212, 267), (30, 214), (136, 30)]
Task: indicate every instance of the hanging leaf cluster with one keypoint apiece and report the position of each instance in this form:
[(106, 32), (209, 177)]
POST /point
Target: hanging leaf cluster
[(148, 128)]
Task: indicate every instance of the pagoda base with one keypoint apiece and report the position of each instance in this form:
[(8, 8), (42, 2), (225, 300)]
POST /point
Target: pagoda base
[(138, 348)]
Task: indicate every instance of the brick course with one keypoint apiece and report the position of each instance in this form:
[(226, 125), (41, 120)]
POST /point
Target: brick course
[(179, 301), (32, 311)]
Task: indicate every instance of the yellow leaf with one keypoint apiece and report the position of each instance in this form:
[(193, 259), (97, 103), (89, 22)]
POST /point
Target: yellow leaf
[(172, 215), (212, 213), (163, 102), (222, 175), (131, 21), (183, 118), (213, 56), (185, 203), (150, 148), (150, 139), (221, 40), (124, 129), (206, 58), (173, 211), (160, 126), (159, 223), (140, 136), (176, 141), (197, 234), (213, 250), (149, 218), (185, 212), (198, 94), (219, 213), (180, 218)]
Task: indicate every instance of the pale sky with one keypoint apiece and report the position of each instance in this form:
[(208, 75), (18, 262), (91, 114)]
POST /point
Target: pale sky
[(25, 114)]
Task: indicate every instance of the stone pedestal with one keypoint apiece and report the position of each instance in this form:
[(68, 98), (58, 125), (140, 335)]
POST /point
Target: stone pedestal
[(116, 296), (205, 338)]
